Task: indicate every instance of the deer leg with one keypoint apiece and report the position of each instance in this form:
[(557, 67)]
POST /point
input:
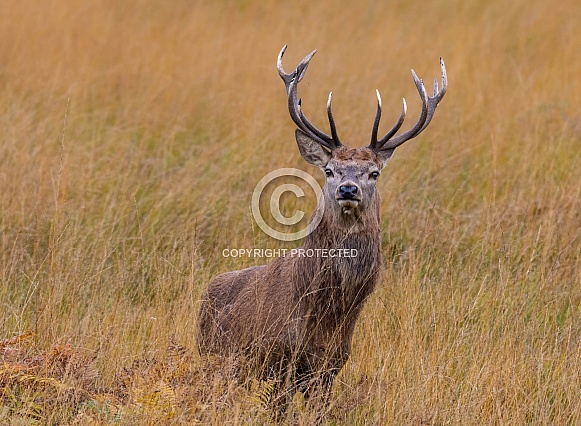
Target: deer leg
[(317, 394), (318, 382), (282, 372)]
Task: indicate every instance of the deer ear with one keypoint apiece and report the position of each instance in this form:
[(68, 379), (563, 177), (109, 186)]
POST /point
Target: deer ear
[(384, 156), (311, 151)]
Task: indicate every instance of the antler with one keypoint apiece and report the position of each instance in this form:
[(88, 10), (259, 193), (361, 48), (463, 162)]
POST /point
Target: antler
[(429, 105), (291, 82)]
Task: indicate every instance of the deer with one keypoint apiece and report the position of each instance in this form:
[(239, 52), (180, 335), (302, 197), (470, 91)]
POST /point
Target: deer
[(293, 319)]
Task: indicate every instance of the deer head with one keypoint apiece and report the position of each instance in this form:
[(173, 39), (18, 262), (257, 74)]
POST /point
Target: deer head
[(352, 173)]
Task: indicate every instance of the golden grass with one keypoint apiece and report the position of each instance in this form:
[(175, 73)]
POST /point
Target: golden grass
[(111, 226)]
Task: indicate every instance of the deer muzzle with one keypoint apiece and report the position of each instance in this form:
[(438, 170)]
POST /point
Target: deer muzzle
[(348, 195)]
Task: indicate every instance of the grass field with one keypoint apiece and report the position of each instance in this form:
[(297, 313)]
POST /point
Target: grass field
[(133, 134)]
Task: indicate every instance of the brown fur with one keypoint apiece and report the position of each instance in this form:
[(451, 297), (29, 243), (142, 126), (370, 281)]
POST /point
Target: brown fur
[(294, 318)]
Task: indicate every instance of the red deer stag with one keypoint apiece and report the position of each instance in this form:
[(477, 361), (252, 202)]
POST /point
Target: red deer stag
[(293, 319)]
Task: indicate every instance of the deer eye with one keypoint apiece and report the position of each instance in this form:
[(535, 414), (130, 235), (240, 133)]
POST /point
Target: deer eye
[(374, 175), (328, 173)]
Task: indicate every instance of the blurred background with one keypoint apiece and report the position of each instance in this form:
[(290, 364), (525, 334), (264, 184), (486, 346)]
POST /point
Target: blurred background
[(132, 136)]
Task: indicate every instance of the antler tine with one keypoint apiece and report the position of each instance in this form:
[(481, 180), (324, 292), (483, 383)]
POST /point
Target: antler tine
[(435, 100), (386, 142), (429, 105), (285, 77), (373, 144), (294, 103), (321, 137), (300, 69), (296, 113), (331, 119), (393, 131), (333, 141)]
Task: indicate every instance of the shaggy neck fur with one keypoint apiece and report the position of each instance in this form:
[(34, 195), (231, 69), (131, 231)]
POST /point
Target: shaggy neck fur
[(334, 289)]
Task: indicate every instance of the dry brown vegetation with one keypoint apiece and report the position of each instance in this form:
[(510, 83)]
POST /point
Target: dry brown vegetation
[(133, 134)]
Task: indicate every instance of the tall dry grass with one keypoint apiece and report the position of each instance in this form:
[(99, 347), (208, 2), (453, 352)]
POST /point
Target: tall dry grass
[(133, 134)]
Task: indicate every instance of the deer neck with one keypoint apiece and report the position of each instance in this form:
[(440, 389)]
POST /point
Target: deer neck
[(333, 289), (337, 229)]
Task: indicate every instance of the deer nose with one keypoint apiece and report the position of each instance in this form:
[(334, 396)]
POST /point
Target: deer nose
[(348, 192)]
